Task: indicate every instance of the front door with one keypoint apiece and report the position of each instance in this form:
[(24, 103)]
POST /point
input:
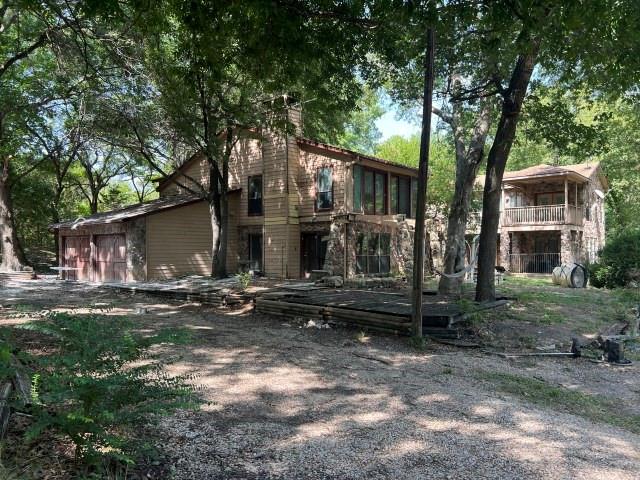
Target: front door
[(314, 251), (255, 252)]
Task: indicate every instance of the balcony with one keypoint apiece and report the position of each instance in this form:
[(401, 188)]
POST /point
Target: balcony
[(542, 215)]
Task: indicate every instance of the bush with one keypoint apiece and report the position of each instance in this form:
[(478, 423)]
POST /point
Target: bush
[(101, 384), (619, 261), (244, 280)]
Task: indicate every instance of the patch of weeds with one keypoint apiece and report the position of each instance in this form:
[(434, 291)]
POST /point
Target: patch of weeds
[(550, 318), (465, 305), (244, 280), (539, 392), (529, 281), (447, 371), (419, 343), (527, 341)]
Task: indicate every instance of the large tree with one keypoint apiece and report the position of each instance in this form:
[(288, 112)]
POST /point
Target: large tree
[(40, 43), (580, 43), (214, 70), (496, 48)]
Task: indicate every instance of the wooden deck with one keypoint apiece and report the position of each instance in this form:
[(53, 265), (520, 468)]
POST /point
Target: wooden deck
[(379, 310)]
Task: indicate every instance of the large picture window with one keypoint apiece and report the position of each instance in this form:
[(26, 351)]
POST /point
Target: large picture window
[(324, 189), (255, 195), (369, 191), (400, 195), (373, 253)]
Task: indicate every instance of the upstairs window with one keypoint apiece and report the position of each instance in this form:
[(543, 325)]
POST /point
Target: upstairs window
[(369, 191), (255, 195), (400, 195), (324, 189)]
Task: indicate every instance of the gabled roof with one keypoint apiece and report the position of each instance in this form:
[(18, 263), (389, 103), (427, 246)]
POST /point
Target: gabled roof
[(351, 153), (130, 212), (585, 170)]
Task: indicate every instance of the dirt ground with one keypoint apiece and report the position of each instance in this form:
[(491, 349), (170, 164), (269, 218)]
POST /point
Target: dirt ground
[(288, 402)]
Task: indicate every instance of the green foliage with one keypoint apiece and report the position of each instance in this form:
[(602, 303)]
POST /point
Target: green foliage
[(619, 261), (359, 130), (244, 279), (419, 343), (101, 384), (539, 392), (442, 165)]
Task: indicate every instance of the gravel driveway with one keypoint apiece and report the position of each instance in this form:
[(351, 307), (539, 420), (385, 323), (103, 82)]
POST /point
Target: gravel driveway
[(287, 402)]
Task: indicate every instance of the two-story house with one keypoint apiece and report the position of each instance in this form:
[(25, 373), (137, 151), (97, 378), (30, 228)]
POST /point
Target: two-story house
[(551, 215), (295, 205)]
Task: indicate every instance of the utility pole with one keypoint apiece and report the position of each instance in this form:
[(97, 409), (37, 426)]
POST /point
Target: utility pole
[(423, 171)]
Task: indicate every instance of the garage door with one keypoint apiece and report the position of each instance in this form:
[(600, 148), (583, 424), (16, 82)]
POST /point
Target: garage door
[(77, 253), (111, 258)]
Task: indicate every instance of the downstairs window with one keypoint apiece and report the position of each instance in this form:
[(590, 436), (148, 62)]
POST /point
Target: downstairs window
[(373, 253)]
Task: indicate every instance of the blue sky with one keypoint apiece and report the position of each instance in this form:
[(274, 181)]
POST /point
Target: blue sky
[(389, 125)]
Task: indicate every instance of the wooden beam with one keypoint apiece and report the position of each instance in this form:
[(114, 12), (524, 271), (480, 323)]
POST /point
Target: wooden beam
[(423, 170)]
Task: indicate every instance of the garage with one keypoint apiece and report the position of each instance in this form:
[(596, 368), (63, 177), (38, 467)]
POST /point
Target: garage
[(111, 258), (77, 257)]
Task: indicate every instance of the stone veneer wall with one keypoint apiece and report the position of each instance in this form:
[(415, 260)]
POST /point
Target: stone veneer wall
[(136, 239), (401, 234)]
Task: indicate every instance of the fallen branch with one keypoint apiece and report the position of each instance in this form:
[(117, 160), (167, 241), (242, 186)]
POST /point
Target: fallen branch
[(375, 359)]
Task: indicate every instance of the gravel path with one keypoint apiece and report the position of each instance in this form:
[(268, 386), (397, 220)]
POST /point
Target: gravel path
[(294, 403)]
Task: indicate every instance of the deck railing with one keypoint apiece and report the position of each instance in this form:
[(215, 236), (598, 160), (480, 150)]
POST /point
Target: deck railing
[(543, 214), (533, 262)]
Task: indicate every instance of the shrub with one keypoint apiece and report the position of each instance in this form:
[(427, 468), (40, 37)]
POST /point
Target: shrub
[(102, 384), (619, 261), (244, 279)]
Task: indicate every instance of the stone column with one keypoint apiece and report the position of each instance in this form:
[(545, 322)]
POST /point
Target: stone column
[(565, 246), (504, 248)]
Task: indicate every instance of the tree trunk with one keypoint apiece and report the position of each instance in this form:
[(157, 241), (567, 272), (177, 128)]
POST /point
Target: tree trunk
[(220, 259), (454, 257), (496, 163), (12, 255), (93, 203), (467, 165)]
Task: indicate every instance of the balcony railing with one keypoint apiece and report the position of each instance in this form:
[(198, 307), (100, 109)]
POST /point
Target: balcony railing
[(541, 215), (533, 262)]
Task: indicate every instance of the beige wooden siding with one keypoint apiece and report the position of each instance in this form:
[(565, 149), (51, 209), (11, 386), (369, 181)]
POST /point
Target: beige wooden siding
[(232, 236), (245, 160), (179, 242), (310, 162)]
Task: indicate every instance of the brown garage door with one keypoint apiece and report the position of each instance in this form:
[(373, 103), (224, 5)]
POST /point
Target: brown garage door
[(77, 253), (111, 258)]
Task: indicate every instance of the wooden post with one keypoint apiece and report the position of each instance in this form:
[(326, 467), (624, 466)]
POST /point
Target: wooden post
[(423, 169), (566, 200), (578, 220)]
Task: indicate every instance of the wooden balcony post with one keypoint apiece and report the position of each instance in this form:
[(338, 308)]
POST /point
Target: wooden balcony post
[(566, 199)]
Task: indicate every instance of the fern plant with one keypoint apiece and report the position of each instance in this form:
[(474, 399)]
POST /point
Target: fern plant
[(102, 384)]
